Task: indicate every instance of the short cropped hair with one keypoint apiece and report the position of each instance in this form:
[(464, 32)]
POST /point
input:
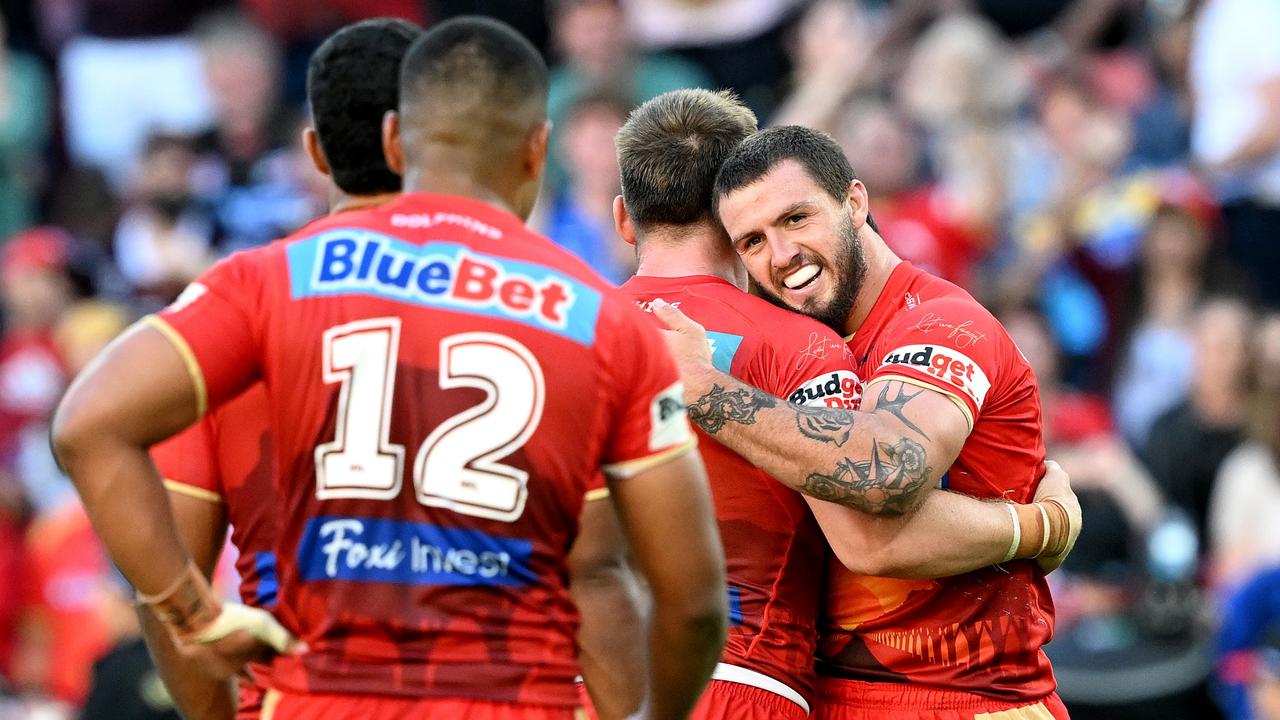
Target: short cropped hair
[(353, 79), (670, 149), (819, 154), (474, 56)]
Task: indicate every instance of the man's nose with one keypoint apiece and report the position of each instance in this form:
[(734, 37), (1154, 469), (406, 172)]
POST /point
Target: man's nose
[(782, 252)]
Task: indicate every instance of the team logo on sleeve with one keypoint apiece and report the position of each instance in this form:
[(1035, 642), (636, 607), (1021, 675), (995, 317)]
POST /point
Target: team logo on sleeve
[(839, 389), (668, 421), (192, 293), (945, 364)]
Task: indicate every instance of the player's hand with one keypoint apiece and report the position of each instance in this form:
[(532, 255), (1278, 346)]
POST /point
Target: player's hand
[(1056, 485), (686, 339), (240, 634), (219, 637)]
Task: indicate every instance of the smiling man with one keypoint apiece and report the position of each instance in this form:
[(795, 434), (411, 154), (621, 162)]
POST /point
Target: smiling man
[(943, 399)]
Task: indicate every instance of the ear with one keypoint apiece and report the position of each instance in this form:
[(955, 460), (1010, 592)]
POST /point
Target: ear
[(535, 151), (622, 221), (392, 148), (311, 143), (859, 205)]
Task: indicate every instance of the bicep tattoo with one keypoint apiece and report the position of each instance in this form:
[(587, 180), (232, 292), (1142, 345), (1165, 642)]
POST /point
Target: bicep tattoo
[(897, 402)]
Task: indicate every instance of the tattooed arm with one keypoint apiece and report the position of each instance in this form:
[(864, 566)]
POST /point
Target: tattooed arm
[(877, 460)]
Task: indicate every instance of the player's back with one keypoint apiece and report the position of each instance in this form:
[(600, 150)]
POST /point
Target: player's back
[(444, 385), (774, 550)]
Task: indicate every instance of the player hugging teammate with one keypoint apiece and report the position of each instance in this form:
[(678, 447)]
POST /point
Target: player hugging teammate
[(442, 442)]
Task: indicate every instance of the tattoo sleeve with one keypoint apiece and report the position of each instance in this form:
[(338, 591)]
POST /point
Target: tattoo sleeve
[(886, 484), (713, 410), (877, 460)]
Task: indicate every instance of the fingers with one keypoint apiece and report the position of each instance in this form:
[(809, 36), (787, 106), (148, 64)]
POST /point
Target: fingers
[(671, 316)]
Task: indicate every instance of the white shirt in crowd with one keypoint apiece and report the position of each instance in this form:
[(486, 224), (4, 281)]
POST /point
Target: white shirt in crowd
[(1235, 46), (1244, 515)]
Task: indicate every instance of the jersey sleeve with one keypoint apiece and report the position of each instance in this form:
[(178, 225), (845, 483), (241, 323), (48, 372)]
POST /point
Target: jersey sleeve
[(188, 462), (950, 345), (214, 325), (647, 421), (805, 362)]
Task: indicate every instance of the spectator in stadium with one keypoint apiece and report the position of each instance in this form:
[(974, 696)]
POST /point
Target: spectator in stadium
[(1248, 662), (1235, 79), (117, 54), (591, 38), (245, 171), (579, 216), (940, 225), (740, 43), (1175, 271), (34, 292), (24, 129), (1188, 443), (163, 239), (1244, 536)]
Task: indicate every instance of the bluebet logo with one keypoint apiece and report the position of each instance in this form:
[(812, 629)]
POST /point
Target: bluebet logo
[(444, 275), (378, 550)]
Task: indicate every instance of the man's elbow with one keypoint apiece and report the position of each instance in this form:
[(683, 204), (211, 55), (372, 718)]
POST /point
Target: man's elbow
[(702, 614), (863, 558), (71, 431)]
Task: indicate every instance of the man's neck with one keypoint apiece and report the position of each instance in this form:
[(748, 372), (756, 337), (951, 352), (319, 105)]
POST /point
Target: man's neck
[(340, 201), (880, 264), (700, 251), (444, 181)]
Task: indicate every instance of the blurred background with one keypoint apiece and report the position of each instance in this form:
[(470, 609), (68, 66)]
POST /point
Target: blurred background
[(1103, 174)]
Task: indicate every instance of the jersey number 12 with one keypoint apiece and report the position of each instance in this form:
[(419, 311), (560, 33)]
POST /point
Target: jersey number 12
[(458, 464)]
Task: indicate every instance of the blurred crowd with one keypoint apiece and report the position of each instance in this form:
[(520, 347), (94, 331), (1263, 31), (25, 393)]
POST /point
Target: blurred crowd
[(1103, 174)]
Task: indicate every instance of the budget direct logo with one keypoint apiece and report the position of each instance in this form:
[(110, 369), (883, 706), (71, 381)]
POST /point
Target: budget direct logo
[(834, 390), (443, 275), (950, 366)]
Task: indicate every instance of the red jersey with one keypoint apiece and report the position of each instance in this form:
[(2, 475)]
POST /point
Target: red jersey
[(226, 458), (981, 632), (443, 386), (774, 550)]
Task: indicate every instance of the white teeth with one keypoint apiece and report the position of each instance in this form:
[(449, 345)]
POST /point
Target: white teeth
[(801, 276)]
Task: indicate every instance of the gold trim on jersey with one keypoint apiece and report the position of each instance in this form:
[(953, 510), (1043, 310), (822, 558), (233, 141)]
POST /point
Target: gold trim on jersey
[(188, 359), (601, 493), (191, 491), (960, 403), (631, 468)]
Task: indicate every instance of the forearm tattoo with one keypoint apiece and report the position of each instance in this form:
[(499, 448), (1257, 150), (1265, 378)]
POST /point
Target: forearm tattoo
[(887, 484), (720, 406), (824, 424)]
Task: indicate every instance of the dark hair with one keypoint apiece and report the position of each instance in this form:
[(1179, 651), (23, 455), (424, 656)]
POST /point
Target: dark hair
[(353, 79), (478, 57), (817, 152), (670, 149)]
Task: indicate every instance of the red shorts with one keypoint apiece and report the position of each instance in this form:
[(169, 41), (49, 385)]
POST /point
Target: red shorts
[(286, 706), (249, 706), (724, 700), (854, 700)]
